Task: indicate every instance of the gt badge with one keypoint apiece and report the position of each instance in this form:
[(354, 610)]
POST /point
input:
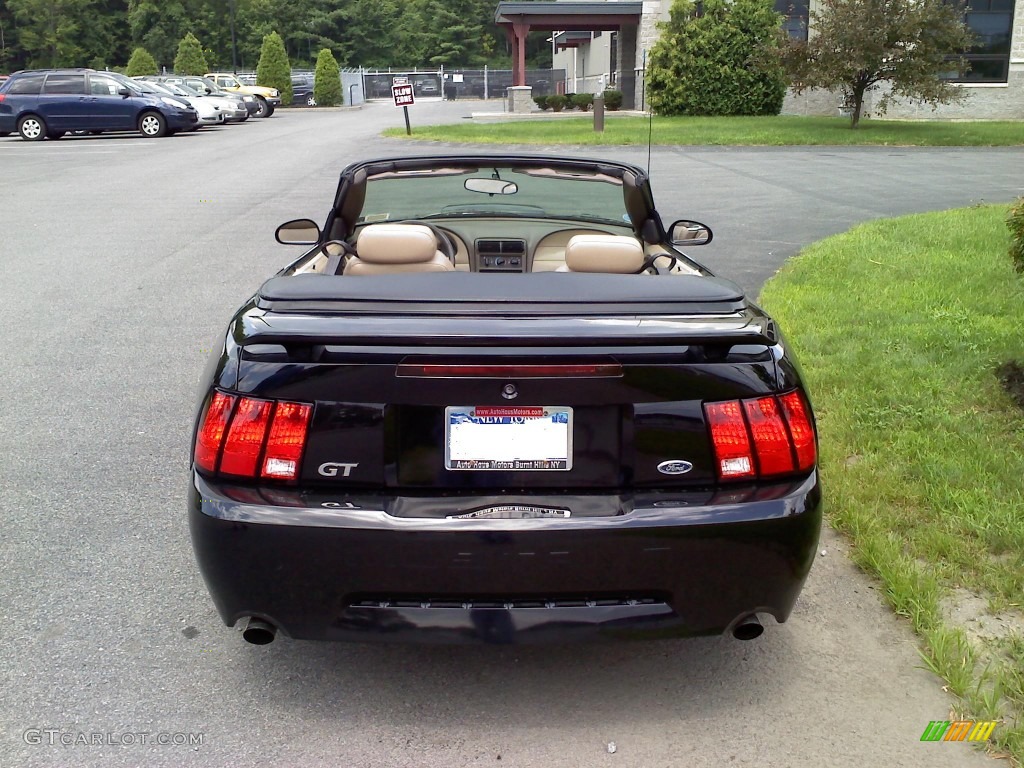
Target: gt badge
[(330, 469)]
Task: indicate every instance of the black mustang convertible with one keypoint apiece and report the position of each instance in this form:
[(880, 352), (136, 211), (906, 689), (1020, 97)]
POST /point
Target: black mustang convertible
[(495, 401)]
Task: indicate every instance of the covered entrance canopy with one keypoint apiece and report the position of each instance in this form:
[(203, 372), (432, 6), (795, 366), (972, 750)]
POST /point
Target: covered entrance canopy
[(519, 19)]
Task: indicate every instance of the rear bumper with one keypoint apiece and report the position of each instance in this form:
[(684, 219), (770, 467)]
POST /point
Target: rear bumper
[(380, 567)]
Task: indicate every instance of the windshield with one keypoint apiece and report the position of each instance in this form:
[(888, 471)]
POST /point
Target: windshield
[(530, 192), (177, 90), (146, 87)]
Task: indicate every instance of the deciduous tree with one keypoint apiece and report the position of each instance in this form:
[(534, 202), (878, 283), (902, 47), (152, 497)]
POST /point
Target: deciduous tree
[(50, 31), (717, 62), (157, 26), (855, 46)]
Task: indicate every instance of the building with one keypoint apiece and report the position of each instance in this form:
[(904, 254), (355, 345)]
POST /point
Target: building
[(603, 44)]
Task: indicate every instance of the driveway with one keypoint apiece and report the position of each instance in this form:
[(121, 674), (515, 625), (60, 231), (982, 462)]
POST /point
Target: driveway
[(121, 260)]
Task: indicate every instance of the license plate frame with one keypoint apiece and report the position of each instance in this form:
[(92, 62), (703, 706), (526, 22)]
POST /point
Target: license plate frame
[(477, 447)]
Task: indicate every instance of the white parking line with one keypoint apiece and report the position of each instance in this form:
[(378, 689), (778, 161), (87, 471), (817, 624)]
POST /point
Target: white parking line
[(90, 146)]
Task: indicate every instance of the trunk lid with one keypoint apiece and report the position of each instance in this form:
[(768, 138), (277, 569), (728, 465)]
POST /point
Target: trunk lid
[(389, 364)]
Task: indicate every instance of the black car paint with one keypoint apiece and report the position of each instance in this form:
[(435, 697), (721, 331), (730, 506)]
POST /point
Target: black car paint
[(370, 553), (365, 566)]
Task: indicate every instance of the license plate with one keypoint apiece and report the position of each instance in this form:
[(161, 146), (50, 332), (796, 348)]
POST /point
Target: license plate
[(508, 438)]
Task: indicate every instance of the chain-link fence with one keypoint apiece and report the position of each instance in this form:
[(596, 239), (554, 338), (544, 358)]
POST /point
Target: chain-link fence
[(459, 83)]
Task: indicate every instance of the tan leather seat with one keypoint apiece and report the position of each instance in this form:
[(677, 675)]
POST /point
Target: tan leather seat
[(384, 249), (603, 253)]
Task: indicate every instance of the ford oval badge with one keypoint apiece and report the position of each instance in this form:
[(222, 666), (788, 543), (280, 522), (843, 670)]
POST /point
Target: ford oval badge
[(675, 467)]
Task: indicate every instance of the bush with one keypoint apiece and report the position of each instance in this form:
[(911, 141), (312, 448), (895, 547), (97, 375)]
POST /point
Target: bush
[(190, 59), (274, 70), (719, 63), (557, 102), (583, 101), (613, 100), (327, 82), (142, 63), (568, 100), (1015, 223), (541, 101)]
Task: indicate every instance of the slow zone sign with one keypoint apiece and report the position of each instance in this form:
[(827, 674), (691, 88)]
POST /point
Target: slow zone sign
[(402, 94)]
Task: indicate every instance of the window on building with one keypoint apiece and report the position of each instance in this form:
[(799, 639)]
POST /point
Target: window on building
[(794, 17), (991, 21)]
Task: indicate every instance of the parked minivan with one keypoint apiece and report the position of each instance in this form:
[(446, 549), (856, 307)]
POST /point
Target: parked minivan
[(47, 103)]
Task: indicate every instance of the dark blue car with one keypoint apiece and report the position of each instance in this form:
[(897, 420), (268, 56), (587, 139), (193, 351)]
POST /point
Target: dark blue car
[(48, 103)]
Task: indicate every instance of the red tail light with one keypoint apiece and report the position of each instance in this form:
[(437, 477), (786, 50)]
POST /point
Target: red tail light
[(732, 443), (2, 97), (761, 437), (771, 441), (258, 438), (213, 424), (286, 441), (245, 437), (799, 419)]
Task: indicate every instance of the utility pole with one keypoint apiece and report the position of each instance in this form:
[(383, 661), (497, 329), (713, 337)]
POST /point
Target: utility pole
[(234, 47)]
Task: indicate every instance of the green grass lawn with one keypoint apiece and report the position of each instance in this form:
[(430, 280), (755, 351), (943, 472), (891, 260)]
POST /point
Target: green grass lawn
[(760, 131), (900, 325)]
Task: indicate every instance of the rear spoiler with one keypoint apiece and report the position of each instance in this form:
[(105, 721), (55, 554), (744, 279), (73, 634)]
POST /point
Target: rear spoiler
[(468, 309), (465, 294)]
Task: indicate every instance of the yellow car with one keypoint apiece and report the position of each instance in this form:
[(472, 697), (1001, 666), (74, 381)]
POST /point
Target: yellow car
[(266, 98)]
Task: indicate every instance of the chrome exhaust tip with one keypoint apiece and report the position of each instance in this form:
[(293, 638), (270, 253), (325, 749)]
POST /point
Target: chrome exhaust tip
[(259, 632), (748, 628)]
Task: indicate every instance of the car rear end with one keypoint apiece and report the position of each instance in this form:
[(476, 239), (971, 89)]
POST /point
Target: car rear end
[(8, 116), (503, 469)]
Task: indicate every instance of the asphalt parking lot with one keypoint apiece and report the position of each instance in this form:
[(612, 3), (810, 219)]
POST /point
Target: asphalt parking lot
[(123, 257)]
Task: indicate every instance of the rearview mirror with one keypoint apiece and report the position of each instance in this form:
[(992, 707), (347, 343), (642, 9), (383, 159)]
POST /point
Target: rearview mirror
[(686, 232), (122, 91), (492, 186), (298, 232)]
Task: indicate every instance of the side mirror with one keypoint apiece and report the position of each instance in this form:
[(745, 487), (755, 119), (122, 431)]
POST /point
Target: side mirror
[(298, 232), (686, 232), (122, 91)]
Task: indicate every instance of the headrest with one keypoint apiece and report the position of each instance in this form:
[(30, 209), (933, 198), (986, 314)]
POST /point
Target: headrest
[(396, 244), (604, 253)]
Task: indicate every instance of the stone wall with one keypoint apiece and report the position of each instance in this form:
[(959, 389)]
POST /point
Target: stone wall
[(653, 12)]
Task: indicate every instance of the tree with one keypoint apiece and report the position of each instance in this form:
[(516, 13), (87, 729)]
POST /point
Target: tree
[(142, 63), (274, 70), (856, 45), (719, 61), (327, 82), (50, 31), (157, 26), (190, 59)]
